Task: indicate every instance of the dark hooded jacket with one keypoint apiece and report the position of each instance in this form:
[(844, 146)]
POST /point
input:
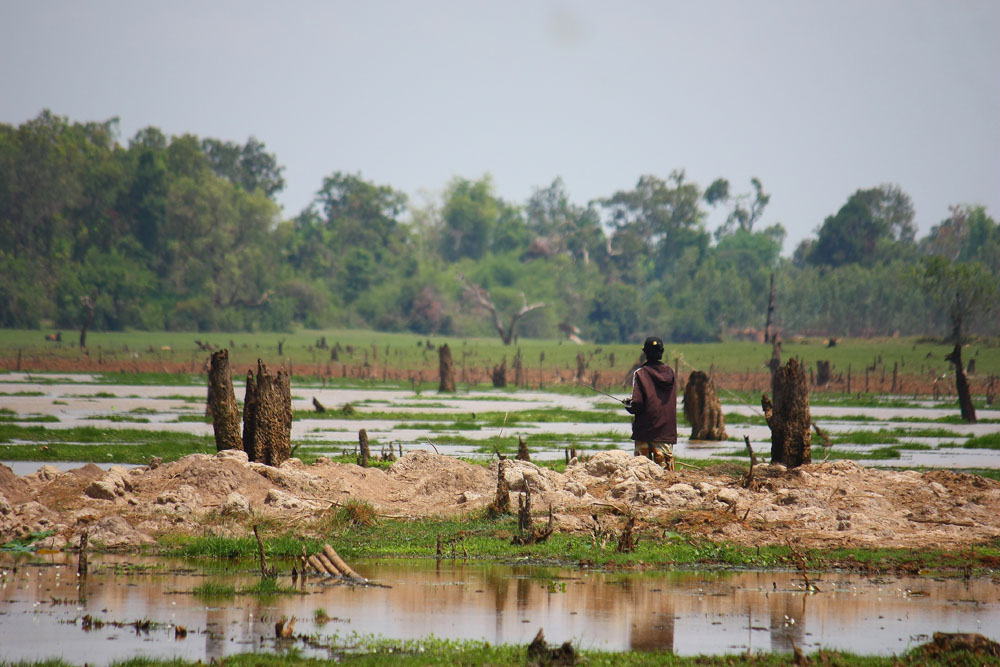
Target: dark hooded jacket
[(654, 403)]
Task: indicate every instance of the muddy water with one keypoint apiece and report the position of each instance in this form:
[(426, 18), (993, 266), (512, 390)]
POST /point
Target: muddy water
[(42, 603)]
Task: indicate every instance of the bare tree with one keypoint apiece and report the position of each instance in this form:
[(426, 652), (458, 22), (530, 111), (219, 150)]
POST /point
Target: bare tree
[(479, 296)]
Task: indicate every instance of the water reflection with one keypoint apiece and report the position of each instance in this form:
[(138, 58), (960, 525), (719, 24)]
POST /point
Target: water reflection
[(683, 612)]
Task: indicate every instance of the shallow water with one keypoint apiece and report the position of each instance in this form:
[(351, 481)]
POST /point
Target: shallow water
[(77, 403), (43, 601)]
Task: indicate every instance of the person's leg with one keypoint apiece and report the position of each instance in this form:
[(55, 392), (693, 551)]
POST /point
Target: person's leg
[(643, 449), (668, 455)]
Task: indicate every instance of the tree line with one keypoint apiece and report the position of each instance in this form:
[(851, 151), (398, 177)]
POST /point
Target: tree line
[(183, 233)]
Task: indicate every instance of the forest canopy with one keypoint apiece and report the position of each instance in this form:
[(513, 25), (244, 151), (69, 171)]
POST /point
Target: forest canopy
[(184, 233)]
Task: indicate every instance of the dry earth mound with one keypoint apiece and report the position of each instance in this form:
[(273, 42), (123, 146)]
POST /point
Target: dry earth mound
[(821, 505)]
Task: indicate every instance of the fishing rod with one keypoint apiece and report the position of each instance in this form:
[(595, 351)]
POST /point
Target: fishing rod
[(620, 400)]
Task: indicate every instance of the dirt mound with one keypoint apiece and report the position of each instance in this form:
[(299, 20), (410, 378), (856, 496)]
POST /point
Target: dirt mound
[(822, 505)]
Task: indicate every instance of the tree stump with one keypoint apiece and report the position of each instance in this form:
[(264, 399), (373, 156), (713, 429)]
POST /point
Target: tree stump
[(446, 370), (499, 374), (267, 416), (251, 445), (581, 366), (522, 450), (788, 417), (702, 408), (222, 403), (822, 373), (364, 453), (518, 366)]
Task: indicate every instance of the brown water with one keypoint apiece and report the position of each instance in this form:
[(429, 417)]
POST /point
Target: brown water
[(42, 603)]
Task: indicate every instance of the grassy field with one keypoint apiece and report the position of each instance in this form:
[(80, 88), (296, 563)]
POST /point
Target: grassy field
[(910, 356)]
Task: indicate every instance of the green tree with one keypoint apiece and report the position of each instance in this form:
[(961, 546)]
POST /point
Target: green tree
[(658, 220), (470, 216), (867, 229), (249, 166)]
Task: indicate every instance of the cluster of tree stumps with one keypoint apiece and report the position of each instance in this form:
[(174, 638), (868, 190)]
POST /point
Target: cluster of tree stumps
[(267, 411)]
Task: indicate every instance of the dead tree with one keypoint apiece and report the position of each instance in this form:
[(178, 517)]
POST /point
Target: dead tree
[(446, 370), (222, 403), (788, 417), (702, 408), (962, 385), (89, 304), (267, 416), (770, 312), (482, 298)]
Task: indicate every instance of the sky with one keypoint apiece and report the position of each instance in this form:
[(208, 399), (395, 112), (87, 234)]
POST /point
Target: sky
[(815, 98)]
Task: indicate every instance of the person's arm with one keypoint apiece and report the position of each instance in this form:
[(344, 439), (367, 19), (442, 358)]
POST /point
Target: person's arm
[(636, 404)]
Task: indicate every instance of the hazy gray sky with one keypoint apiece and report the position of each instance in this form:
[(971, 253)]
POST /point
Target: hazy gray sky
[(816, 99)]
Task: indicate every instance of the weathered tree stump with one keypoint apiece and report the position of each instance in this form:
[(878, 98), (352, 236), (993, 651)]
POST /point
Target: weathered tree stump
[(702, 408), (581, 366), (788, 417), (822, 373), (522, 450), (446, 370), (499, 374), (251, 445), (267, 416), (501, 501), (222, 403), (364, 453), (518, 367)]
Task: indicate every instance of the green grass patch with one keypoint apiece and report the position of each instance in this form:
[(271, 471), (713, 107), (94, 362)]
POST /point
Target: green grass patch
[(880, 437), (7, 416), (22, 393), (214, 589), (118, 418), (988, 441), (87, 443)]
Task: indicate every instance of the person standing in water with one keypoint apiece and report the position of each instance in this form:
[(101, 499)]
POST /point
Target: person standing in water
[(654, 406)]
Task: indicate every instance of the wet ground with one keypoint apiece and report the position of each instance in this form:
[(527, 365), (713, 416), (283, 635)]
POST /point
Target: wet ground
[(76, 401), (43, 605)]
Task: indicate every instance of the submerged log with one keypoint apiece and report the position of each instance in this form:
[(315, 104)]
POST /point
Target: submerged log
[(222, 403), (788, 417), (702, 408), (446, 370), (339, 563)]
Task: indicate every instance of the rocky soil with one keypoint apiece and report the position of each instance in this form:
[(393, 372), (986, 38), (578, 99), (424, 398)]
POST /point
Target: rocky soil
[(833, 504)]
